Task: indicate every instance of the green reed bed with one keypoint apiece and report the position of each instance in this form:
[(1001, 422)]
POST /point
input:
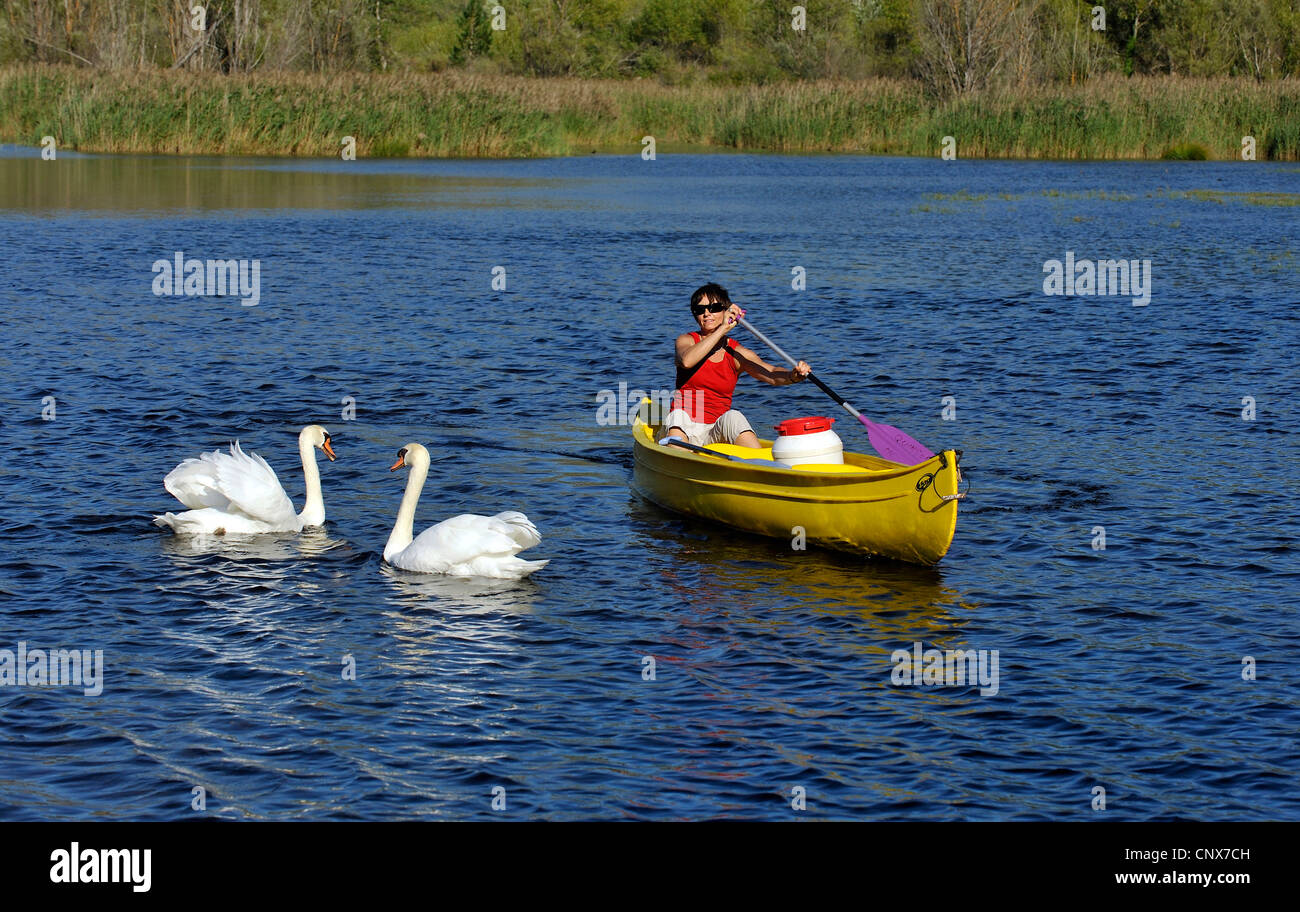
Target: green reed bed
[(460, 114)]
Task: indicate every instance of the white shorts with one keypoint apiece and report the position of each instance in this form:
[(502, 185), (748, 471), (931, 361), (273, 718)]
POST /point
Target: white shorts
[(730, 425)]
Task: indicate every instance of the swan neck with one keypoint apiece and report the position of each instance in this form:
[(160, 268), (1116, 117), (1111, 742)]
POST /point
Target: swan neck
[(402, 529), (313, 509)]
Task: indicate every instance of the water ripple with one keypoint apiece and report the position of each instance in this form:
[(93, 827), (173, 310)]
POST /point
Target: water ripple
[(227, 662)]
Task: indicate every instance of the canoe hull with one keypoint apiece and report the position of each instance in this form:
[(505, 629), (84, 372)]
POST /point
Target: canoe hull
[(875, 508)]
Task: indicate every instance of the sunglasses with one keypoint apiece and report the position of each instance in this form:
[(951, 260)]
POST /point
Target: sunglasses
[(716, 307)]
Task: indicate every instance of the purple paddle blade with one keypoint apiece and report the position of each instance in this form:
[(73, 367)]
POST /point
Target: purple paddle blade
[(894, 445), (890, 442)]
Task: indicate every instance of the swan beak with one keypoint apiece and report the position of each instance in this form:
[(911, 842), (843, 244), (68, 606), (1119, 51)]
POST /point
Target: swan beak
[(329, 450), (401, 460)]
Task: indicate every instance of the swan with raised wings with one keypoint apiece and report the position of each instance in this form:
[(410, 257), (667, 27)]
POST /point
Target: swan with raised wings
[(465, 545), (237, 493)]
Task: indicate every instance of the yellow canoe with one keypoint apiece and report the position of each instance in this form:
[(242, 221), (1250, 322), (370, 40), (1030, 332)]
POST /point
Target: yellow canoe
[(866, 506)]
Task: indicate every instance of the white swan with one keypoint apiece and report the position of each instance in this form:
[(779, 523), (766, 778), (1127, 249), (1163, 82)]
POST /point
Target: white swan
[(465, 545), (237, 493)]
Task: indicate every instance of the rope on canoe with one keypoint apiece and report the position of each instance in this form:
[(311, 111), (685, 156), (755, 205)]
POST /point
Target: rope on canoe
[(924, 481)]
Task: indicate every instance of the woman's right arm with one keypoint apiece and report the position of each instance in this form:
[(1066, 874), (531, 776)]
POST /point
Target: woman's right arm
[(691, 353)]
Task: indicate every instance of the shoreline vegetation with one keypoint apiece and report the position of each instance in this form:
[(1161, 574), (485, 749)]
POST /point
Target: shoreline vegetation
[(1037, 79), (458, 113)]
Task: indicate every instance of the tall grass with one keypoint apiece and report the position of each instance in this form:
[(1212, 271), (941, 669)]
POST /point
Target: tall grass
[(460, 114)]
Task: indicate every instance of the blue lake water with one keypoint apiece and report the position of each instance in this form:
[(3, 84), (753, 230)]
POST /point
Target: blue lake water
[(1120, 668)]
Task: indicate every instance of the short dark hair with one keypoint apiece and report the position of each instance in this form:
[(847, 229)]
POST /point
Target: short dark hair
[(714, 291)]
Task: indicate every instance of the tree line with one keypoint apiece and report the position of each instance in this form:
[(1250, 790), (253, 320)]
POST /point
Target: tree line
[(953, 46)]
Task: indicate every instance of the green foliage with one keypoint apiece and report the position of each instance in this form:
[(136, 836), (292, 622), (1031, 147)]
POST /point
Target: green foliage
[(1186, 152), (887, 32), (458, 114), (424, 46), (677, 41), (475, 33), (688, 28)]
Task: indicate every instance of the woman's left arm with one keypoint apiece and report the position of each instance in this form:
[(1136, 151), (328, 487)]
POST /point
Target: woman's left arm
[(759, 369)]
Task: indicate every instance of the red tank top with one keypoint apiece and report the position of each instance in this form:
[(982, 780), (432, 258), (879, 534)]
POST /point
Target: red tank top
[(707, 393)]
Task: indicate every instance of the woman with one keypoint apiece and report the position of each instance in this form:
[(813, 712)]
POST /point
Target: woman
[(707, 375)]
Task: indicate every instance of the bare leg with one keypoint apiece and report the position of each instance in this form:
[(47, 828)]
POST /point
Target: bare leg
[(747, 439), (677, 432)]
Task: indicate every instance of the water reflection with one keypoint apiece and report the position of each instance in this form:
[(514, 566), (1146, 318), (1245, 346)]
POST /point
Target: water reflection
[(309, 543), (136, 183), (721, 572), (473, 595), (448, 633)]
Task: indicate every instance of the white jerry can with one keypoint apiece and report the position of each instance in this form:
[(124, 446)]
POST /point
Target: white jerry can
[(808, 441)]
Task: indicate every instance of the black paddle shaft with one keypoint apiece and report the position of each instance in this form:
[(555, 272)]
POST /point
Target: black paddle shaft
[(826, 389)]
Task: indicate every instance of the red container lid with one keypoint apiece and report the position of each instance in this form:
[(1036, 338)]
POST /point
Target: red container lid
[(810, 425)]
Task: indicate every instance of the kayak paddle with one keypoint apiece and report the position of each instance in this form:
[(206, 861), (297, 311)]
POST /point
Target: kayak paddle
[(890, 442), (765, 463)]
